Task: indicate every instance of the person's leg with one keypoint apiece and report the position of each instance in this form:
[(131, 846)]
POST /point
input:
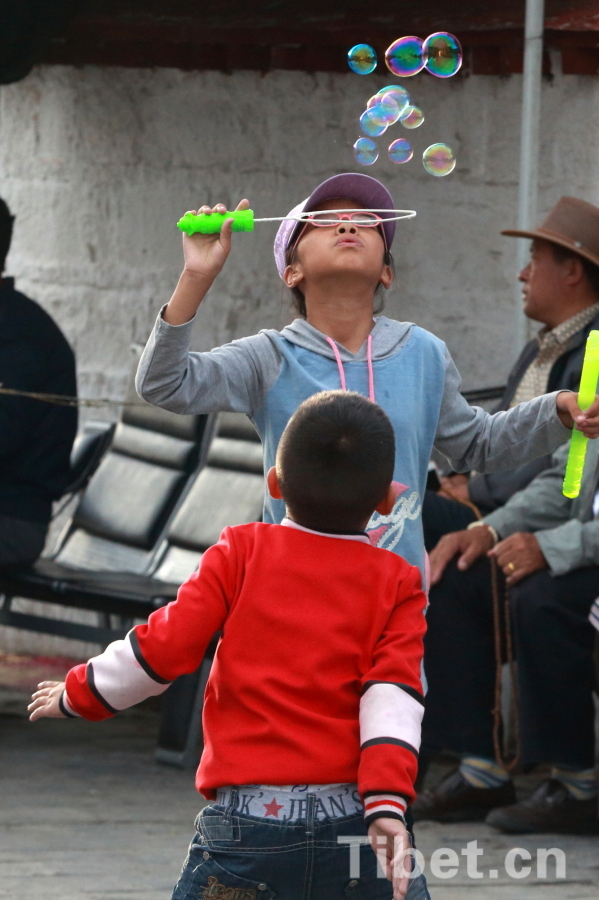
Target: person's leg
[(459, 662), (21, 541), (554, 643), (554, 647), (441, 516)]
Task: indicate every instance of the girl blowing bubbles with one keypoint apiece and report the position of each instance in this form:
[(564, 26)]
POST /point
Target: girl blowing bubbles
[(335, 272)]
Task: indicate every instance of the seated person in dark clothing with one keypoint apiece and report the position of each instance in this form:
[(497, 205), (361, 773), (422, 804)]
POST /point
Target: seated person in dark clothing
[(561, 290), (547, 552), (35, 437)]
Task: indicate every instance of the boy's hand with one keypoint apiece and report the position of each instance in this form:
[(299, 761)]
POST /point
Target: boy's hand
[(571, 415), (45, 701), (205, 254), (390, 841)]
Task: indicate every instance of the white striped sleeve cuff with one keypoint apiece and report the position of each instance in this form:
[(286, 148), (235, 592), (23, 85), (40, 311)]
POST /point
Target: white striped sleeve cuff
[(391, 806), (66, 708), (594, 614), (120, 677)]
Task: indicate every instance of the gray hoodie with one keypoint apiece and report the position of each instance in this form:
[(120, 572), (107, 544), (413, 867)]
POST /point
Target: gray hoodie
[(416, 382)]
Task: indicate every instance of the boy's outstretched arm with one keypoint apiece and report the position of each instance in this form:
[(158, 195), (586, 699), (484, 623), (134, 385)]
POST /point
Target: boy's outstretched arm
[(151, 656)]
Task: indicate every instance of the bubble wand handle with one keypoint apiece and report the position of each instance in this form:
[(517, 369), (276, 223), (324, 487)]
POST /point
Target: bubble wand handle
[(243, 220), (586, 396)]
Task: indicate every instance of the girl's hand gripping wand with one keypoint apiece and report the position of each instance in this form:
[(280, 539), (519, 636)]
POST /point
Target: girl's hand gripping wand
[(586, 396)]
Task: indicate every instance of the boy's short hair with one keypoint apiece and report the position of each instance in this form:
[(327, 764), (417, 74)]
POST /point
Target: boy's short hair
[(335, 461), (6, 224)]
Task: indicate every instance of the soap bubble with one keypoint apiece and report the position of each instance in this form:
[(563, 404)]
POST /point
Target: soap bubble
[(404, 56), (384, 112), (397, 93), (371, 125), (438, 160), (412, 117), (400, 151), (365, 151), (442, 54), (362, 59)]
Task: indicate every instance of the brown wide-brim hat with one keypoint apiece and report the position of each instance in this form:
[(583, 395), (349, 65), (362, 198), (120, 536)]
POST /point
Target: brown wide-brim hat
[(573, 224)]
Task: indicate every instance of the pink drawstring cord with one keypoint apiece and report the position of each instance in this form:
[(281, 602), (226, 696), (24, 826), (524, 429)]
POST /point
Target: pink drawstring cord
[(339, 363), (370, 370), (342, 372)]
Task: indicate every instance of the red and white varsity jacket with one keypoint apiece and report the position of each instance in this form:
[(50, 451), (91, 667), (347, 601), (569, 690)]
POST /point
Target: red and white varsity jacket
[(316, 679)]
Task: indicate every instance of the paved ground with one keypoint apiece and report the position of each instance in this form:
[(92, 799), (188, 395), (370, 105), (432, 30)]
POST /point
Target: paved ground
[(86, 814)]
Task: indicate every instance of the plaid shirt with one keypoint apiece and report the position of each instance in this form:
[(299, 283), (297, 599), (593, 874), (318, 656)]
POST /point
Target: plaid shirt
[(552, 344)]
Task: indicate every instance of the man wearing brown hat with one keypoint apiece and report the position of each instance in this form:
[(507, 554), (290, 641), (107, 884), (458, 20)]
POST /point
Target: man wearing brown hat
[(560, 290), (547, 551)]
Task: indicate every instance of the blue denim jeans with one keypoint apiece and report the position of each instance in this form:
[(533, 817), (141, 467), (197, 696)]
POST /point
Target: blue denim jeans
[(235, 856)]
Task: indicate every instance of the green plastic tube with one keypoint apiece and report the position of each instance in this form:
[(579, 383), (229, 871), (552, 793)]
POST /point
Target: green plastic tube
[(243, 220), (586, 396)]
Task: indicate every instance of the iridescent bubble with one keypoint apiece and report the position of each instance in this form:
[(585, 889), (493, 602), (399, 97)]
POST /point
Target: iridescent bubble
[(365, 151), (371, 125), (438, 160), (362, 59), (385, 112), (404, 56), (412, 117), (442, 54), (397, 93), (400, 151)]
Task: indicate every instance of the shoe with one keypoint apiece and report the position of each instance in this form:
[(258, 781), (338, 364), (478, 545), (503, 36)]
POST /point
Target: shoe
[(456, 800), (551, 808)]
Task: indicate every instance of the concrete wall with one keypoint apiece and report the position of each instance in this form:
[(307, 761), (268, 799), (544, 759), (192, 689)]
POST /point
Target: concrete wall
[(98, 164)]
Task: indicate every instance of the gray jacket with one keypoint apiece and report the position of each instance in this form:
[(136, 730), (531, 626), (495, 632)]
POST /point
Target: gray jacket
[(238, 376), (565, 529)]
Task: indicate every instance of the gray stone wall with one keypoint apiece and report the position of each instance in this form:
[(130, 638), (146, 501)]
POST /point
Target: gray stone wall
[(98, 164)]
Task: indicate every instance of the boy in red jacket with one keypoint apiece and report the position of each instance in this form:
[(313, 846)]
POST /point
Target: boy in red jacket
[(313, 707)]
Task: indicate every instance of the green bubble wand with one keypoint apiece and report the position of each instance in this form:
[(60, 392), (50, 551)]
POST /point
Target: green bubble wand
[(243, 219), (586, 396)]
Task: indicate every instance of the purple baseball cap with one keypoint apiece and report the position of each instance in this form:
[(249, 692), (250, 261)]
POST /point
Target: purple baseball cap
[(360, 188)]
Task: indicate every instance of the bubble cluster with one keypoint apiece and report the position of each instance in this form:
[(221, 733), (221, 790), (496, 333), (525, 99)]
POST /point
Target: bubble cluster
[(370, 125), (404, 56), (365, 151), (362, 59), (395, 92), (442, 54), (400, 151), (412, 117), (385, 110), (438, 160)]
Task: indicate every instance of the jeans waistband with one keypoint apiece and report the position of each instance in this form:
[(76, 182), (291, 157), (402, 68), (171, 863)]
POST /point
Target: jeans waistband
[(291, 803)]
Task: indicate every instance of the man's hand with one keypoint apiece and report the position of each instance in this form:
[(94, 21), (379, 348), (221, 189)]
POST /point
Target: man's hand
[(470, 544), (45, 701), (391, 843), (519, 555), (571, 415), (455, 487)]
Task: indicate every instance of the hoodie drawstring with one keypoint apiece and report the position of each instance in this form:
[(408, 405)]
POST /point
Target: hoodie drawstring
[(369, 363)]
